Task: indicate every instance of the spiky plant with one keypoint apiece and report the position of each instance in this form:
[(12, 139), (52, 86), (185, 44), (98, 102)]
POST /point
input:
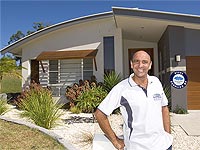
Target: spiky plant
[(111, 79), (39, 106)]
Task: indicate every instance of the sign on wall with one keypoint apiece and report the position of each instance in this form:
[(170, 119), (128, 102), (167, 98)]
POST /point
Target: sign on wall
[(178, 79)]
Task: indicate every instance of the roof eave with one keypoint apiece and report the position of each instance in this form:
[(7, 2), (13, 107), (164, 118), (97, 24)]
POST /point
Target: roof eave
[(156, 14)]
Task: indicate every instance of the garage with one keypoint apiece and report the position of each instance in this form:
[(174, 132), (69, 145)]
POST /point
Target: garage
[(193, 87)]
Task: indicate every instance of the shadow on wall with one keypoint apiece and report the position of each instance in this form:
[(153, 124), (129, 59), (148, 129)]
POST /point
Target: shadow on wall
[(26, 84), (62, 99)]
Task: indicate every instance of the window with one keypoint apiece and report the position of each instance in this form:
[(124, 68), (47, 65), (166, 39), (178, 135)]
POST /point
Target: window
[(53, 71), (66, 72), (109, 55), (87, 68)]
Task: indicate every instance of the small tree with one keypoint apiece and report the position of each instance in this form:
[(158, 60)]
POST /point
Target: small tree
[(39, 25), (19, 34), (8, 67), (15, 37)]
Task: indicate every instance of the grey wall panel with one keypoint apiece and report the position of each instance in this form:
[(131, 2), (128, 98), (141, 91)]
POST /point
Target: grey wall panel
[(192, 42)]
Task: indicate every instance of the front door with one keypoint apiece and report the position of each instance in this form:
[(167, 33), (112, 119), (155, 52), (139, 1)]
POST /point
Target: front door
[(148, 50), (35, 71), (193, 87)]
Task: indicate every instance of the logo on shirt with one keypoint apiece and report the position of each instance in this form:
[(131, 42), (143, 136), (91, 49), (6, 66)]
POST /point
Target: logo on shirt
[(178, 79), (157, 97)]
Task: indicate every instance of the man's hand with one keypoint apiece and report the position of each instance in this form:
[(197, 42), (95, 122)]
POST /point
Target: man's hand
[(119, 144), (166, 119), (106, 128)]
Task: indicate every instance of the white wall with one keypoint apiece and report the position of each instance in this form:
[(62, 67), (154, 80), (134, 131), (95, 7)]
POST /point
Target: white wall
[(118, 52), (130, 44), (25, 72), (88, 35)]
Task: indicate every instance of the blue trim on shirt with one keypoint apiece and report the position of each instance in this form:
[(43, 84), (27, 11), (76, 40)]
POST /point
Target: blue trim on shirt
[(129, 82), (145, 90), (125, 103)]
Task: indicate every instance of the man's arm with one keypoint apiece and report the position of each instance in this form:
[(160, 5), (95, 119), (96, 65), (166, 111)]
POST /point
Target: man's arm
[(166, 119), (106, 128)]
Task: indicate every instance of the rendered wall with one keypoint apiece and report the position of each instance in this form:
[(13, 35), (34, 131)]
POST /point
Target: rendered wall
[(118, 52), (177, 46), (87, 35), (192, 44), (171, 44)]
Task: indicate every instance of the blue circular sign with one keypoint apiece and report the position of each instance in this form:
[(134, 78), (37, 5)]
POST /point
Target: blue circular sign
[(178, 79)]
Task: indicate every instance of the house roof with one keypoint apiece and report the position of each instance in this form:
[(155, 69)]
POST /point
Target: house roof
[(136, 24), (156, 14), (147, 25)]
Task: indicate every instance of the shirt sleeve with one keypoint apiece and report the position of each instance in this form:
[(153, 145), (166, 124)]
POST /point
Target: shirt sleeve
[(112, 101), (164, 101), (164, 97)]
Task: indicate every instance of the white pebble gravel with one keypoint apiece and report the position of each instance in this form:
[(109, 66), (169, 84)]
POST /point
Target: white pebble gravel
[(80, 134)]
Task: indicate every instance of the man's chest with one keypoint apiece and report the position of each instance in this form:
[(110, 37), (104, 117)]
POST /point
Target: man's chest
[(137, 97)]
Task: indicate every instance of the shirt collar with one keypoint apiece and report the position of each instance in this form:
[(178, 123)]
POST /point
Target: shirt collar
[(132, 83)]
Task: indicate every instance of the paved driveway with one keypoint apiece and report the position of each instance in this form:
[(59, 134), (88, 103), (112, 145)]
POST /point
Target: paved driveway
[(189, 122)]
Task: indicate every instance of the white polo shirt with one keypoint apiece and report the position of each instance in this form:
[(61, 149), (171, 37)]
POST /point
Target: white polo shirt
[(142, 113)]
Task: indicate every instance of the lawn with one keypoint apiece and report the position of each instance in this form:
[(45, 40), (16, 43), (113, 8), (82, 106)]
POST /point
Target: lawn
[(10, 84), (14, 136)]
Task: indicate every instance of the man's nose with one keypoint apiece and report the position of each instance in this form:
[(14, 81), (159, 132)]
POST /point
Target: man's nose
[(140, 64)]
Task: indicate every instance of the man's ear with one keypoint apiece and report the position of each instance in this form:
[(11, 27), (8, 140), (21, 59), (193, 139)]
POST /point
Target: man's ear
[(150, 65), (131, 64)]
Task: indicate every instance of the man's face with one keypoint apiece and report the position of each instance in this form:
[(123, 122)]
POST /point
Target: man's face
[(141, 64)]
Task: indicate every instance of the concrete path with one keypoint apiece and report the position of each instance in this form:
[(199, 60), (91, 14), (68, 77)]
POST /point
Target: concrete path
[(189, 122)]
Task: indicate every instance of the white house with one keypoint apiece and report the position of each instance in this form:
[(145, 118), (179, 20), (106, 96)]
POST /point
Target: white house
[(63, 53)]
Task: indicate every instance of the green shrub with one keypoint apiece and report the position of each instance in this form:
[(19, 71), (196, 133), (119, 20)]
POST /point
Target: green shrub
[(110, 80), (39, 106), (75, 110), (167, 90), (180, 110), (3, 106), (90, 99)]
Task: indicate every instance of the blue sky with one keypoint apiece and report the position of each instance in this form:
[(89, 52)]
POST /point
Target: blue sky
[(20, 15)]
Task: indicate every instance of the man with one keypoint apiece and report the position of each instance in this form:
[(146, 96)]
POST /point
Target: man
[(143, 106)]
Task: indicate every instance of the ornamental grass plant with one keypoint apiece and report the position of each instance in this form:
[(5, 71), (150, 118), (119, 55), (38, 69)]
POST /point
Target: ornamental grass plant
[(39, 106)]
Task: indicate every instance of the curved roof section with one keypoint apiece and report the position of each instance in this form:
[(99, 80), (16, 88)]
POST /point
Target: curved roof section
[(54, 27)]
